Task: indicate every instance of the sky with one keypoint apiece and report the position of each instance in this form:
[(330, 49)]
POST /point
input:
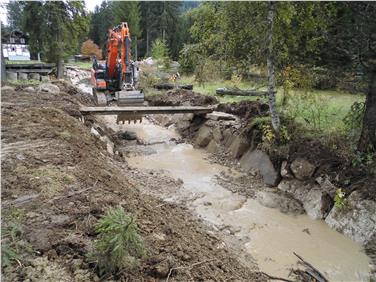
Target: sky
[(90, 5)]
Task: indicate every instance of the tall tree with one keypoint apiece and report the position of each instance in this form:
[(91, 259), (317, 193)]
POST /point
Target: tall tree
[(271, 74)]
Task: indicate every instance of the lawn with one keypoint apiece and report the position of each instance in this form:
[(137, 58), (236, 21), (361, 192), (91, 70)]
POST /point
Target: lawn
[(320, 109)]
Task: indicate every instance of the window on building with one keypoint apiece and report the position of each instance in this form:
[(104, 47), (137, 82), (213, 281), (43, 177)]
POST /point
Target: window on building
[(12, 40), (22, 40)]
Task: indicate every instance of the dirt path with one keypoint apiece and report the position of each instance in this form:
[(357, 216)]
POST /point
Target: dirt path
[(57, 180)]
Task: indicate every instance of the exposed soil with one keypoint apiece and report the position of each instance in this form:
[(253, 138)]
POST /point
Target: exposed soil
[(245, 109), (61, 178), (177, 97)]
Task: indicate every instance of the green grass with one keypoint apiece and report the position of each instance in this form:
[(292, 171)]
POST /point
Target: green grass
[(83, 65), (332, 106)]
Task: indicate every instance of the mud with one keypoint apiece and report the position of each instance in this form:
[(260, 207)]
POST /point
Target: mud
[(178, 97), (267, 235), (68, 179)]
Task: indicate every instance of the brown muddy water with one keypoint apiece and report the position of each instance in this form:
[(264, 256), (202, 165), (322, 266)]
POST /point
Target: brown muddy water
[(269, 236)]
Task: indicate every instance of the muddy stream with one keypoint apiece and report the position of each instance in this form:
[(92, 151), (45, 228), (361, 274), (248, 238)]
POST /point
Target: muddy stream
[(262, 235), (267, 235)]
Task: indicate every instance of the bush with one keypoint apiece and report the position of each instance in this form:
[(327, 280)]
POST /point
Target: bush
[(89, 48), (118, 245), (188, 58)]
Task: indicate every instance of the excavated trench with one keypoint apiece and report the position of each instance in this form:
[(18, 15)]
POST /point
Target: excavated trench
[(261, 235)]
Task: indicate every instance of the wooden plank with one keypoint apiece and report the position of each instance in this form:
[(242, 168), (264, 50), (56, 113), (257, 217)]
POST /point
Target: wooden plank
[(31, 66), (145, 110)]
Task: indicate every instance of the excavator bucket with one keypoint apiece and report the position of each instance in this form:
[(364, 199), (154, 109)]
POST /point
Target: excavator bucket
[(129, 98)]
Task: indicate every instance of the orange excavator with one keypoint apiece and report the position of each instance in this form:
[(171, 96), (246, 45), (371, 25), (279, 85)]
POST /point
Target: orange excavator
[(117, 79)]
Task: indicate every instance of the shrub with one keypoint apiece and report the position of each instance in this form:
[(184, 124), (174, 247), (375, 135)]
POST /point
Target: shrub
[(188, 58), (118, 245), (89, 48)]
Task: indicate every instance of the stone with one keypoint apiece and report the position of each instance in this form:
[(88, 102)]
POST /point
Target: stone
[(220, 116), (182, 124), (110, 148), (238, 146), (44, 78), (228, 137), (217, 134), (285, 172), (29, 89), (357, 219), (7, 88), (273, 199), (60, 219), (317, 203), (204, 136), (128, 135), (94, 131), (212, 147), (302, 169), (297, 188), (49, 87), (11, 75), (34, 76), (260, 161), (22, 76)]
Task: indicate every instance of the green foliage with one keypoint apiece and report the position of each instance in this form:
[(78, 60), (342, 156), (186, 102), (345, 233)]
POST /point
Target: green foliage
[(118, 245), (188, 58), (159, 50), (354, 118), (13, 246), (339, 199)]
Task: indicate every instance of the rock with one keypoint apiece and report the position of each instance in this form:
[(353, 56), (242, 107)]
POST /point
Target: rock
[(49, 87), (11, 75), (34, 76), (317, 203), (29, 89), (297, 188), (285, 172), (238, 146), (228, 137), (220, 116), (60, 219), (95, 132), (302, 169), (273, 199), (204, 136), (327, 186), (7, 88), (22, 76), (182, 125), (357, 219), (212, 147), (260, 161), (217, 134), (44, 78), (128, 135), (110, 148)]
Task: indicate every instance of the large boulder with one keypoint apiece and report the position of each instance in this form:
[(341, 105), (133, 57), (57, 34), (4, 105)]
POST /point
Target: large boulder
[(238, 146), (34, 76), (260, 161), (285, 172), (317, 203), (204, 136), (212, 147), (217, 134), (275, 199), (49, 87), (11, 75), (302, 169), (357, 219), (22, 76)]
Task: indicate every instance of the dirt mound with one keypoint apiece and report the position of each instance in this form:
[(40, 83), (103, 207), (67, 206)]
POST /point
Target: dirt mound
[(244, 109), (178, 97), (58, 179)]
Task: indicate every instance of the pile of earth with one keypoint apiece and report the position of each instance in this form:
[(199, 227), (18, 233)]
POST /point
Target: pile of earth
[(245, 109), (57, 181), (179, 97)]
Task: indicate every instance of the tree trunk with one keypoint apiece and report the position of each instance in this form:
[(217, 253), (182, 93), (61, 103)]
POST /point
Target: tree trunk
[(147, 43), (271, 75), (367, 141), (3, 72), (60, 69)]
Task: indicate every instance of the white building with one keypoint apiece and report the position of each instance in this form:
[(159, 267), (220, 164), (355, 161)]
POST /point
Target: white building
[(15, 47)]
